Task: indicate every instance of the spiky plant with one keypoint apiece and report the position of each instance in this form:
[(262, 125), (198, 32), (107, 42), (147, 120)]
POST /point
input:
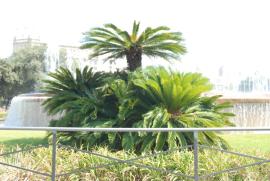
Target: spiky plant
[(66, 87), (117, 43), (150, 98), (84, 101), (160, 98)]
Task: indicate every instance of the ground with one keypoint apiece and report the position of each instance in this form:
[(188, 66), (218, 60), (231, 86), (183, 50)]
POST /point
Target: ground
[(181, 162), (237, 141)]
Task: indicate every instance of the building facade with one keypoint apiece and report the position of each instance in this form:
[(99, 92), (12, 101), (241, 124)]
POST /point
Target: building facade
[(20, 43)]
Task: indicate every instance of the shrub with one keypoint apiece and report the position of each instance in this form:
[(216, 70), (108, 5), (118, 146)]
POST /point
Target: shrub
[(150, 98), (158, 98), (85, 100)]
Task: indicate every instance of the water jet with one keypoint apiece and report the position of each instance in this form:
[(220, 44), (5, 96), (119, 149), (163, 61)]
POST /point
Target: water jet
[(26, 110), (251, 110)]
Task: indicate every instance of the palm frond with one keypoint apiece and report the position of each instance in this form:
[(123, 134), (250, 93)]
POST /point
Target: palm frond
[(117, 43), (173, 100), (123, 34), (135, 30)]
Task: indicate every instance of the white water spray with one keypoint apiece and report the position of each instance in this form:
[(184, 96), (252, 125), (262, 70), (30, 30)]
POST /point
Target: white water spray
[(27, 110)]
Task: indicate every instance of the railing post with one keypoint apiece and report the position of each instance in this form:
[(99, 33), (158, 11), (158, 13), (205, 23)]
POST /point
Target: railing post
[(53, 155), (196, 160)]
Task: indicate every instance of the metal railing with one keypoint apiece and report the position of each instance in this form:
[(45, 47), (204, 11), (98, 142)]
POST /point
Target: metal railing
[(53, 175)]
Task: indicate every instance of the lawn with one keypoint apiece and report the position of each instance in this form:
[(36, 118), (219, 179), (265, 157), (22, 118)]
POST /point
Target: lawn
[(260, 142), (210, 160), (22, 138)]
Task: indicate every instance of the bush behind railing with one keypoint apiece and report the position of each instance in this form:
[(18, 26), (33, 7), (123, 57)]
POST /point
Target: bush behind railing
[(148, 98)]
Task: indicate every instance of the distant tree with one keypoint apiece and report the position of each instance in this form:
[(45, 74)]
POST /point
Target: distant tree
[(116, 43), (29, 65), (31, 54), (21, 72), (8, 80)]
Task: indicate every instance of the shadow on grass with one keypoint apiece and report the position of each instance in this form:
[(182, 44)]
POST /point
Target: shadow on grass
[(23, 143)]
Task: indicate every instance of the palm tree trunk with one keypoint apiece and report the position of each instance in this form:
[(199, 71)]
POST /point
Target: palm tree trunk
[(134, 58)]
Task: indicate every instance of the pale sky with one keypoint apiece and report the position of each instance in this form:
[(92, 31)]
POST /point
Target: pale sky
[(234, 33)]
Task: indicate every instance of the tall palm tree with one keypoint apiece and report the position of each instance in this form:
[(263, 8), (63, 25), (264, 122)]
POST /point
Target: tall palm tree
[(116, 43)]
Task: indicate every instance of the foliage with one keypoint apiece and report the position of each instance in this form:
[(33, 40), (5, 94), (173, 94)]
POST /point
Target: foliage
[(21, 72), (178, 161), (66, 87), (153, 98), (159, 98), (8, 80), (29, 65), (86, 100), (116, 43)]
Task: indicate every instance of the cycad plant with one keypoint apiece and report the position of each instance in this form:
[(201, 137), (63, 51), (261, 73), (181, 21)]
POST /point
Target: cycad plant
[(117, 43), (84, 100), (149, 98), (66, 87), (161, 98)]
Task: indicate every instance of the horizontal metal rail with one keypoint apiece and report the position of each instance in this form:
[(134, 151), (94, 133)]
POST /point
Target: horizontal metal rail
[(235, 168), (25, 169), (23, 150), (75, 129)]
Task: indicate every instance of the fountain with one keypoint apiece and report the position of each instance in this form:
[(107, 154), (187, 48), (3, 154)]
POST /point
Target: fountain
[(250, 98), (250, 110), (27, 110), (249, 94)]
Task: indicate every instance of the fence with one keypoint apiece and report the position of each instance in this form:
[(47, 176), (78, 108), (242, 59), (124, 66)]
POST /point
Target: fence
[(53, 174)]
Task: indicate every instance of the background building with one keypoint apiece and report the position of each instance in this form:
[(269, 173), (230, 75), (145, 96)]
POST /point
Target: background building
[(20, 43), (71, 57)]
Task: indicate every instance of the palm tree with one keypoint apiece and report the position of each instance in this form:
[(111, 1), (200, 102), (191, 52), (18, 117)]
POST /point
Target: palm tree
[(116, 43)]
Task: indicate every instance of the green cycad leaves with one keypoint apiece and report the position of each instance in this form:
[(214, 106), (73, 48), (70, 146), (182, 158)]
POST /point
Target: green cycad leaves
[(135, 30), (161, 140), (149, 98), (66, 88), (175, 100), (128, 141), (156, 118), (173, 90), (114, 43)]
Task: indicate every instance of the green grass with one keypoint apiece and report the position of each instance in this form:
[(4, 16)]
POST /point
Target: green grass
[(210, 160), (259, 142), (180, 161), (22, 138)]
